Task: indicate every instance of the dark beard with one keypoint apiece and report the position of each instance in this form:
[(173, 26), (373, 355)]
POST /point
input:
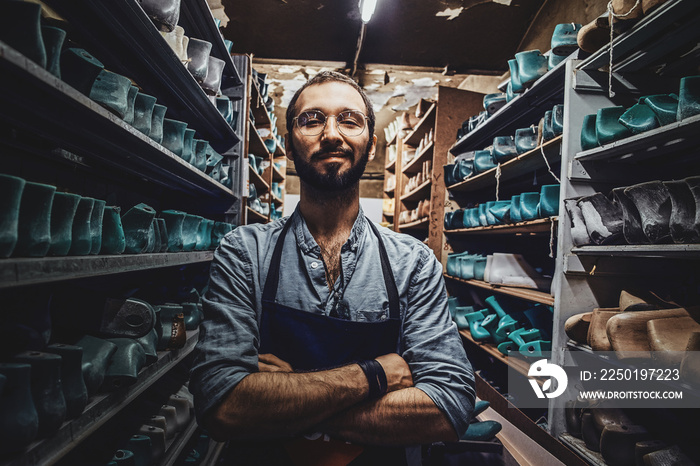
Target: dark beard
[(331, 181)]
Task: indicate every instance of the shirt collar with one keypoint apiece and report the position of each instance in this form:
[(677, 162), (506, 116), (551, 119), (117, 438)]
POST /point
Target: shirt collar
[(307, 243)]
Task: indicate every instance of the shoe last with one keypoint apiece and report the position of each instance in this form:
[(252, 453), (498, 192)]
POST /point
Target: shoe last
[(653, 202), (531, 66), (639, 118), (79, 69), (483, 161), (589, 139), (20, 28), (608, 127), (564, 39), (689, 97), (665, 106), (136, 223), (526, 139), (504, 149), (198, 54), (157, 117), (53, 38), (34, 220), (11, 188), (165, 15), (603, 219), (683, 222)]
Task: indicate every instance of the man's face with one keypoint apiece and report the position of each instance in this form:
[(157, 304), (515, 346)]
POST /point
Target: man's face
[(330, 161)]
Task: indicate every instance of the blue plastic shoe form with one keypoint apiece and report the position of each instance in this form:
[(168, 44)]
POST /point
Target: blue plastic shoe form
[(540, 317), (229, 45), (81, 242), (683, 225), (140, 446), (523, 335), (494, 102), (489, 324), (463, 169), (151, 238), (495, 306), (477, 331), (11, 188), (53, 42), (516, 85), (483, 220), (452, 304), (483, 161), (505, 326), (123, 458), (136, 223), (19, 423), (508, 346), (500, 211), (149, 343), (157, 117), (190, 227), (97, 354), (483, 431), (125, 364), (465, 266), (510, 95), (158, 237), (174, 136), (111, 90), (46, 389), (528, 206), (525, 139), (453, 264), (80, 69), (225, 108), (553, 60), (204, 235), (547, 129), (62, 214), (96, 220), (163, 230), (608, 127), (143, 112), (220, 230), (536, 348), (456, 220), (214, 159), (460, 316), (558, 119), (448, 220), (531, 66), (258, 164), (270, 144), (200, 154), (589, 139), (689, 97), (34, 225), (198, 53), (188, 146), (490, 219), (639, 118), (479, 407), (113, 239), (549, 201), (471, 218), (564, 39), (130, 104), (504, 149), (174, 220), (74, 389), (165, 15), (20, 28), (665, 106), (515, 216), (479, 268)]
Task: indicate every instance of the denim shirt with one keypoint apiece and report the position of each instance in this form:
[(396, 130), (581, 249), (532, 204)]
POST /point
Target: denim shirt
[(228, 344)]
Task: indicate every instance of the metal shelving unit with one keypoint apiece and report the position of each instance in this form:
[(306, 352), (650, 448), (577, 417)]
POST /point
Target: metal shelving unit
[(527, 294)]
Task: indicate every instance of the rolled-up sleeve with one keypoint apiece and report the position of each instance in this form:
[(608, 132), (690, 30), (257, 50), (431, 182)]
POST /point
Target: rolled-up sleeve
[(228, 337), (433, 348)]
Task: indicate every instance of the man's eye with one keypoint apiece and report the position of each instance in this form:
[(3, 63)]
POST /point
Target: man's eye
[(310, 119), (351, 119)]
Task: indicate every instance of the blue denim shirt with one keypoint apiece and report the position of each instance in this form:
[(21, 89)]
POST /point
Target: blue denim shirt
[(227, 350)]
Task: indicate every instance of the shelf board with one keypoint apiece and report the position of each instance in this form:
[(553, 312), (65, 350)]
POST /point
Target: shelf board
[(391, 167), (260, 185), (659, 143), (255, 217), (416, 165), (277, 175), (420, 224), (520, 365), (390, 192), (215, 451), (523, 164), (276, 200), (661, 251), (178, 443), (533, 227), (579, 447), (414, 137), (645, 42), (528, 294), (45, 105), (144, 56), (197, 19), (99, 410), (35, 270), (520, 112), (256, 144), (388, 214), (421, 192)]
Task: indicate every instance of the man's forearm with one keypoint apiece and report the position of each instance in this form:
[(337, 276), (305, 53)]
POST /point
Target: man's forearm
[(279, 404), (403, 417)]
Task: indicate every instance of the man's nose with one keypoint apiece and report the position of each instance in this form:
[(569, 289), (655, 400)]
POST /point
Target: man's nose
[(330, 131)]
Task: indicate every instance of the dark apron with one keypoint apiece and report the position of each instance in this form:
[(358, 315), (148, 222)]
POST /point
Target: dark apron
[(313, 342)]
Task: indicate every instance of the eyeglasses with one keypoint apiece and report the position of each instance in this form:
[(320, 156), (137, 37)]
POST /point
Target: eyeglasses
[(350, 123)]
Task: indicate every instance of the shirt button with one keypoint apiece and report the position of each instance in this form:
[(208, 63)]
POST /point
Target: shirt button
[(314, 265)]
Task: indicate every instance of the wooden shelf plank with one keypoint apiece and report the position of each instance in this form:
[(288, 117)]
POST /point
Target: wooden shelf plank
[(98, 411), (661, 251), (255, 217), (519, 365), (416, 165), (533, 227), (419, 193), (528, 294), (260, 185), (388, 214), (665, 141), (277, 175), (391, 166), (523, 164), (35, 270), (420, 224), (43, 104), (256, 144), (414, 137)]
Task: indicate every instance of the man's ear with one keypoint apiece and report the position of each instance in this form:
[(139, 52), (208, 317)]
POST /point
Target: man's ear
[(373, 149), (288, 145)]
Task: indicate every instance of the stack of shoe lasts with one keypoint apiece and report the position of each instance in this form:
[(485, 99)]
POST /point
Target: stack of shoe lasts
[(391, 154), (460, 170), (535, 337), (653, 212), (422, 211), (425, 142), (419, 178), (471, 123), (614, 123), (553, 123), (392, 129), (640, 328), (253, 200), (564, 43)]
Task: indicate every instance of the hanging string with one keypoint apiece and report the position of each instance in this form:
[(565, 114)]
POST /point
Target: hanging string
[(498, 179), (611, 16), (549, 168), (551, 239)]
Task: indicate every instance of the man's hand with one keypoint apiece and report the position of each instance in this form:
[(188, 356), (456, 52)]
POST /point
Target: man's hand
[(398, 374), (270, 363)]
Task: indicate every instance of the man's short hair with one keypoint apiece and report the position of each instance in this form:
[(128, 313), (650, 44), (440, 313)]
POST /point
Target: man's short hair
[(324, 77)]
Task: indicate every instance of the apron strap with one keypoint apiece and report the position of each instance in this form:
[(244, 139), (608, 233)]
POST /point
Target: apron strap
[(272, 279)]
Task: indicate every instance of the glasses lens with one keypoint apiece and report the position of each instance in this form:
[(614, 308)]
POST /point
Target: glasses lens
[(351, 123), (311, 123)]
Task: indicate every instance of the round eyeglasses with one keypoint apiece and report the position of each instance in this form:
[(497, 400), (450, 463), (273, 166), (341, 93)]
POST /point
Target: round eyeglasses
[(350, 123)]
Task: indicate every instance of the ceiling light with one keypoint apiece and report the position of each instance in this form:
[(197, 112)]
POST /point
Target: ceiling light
[(367, 8)]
